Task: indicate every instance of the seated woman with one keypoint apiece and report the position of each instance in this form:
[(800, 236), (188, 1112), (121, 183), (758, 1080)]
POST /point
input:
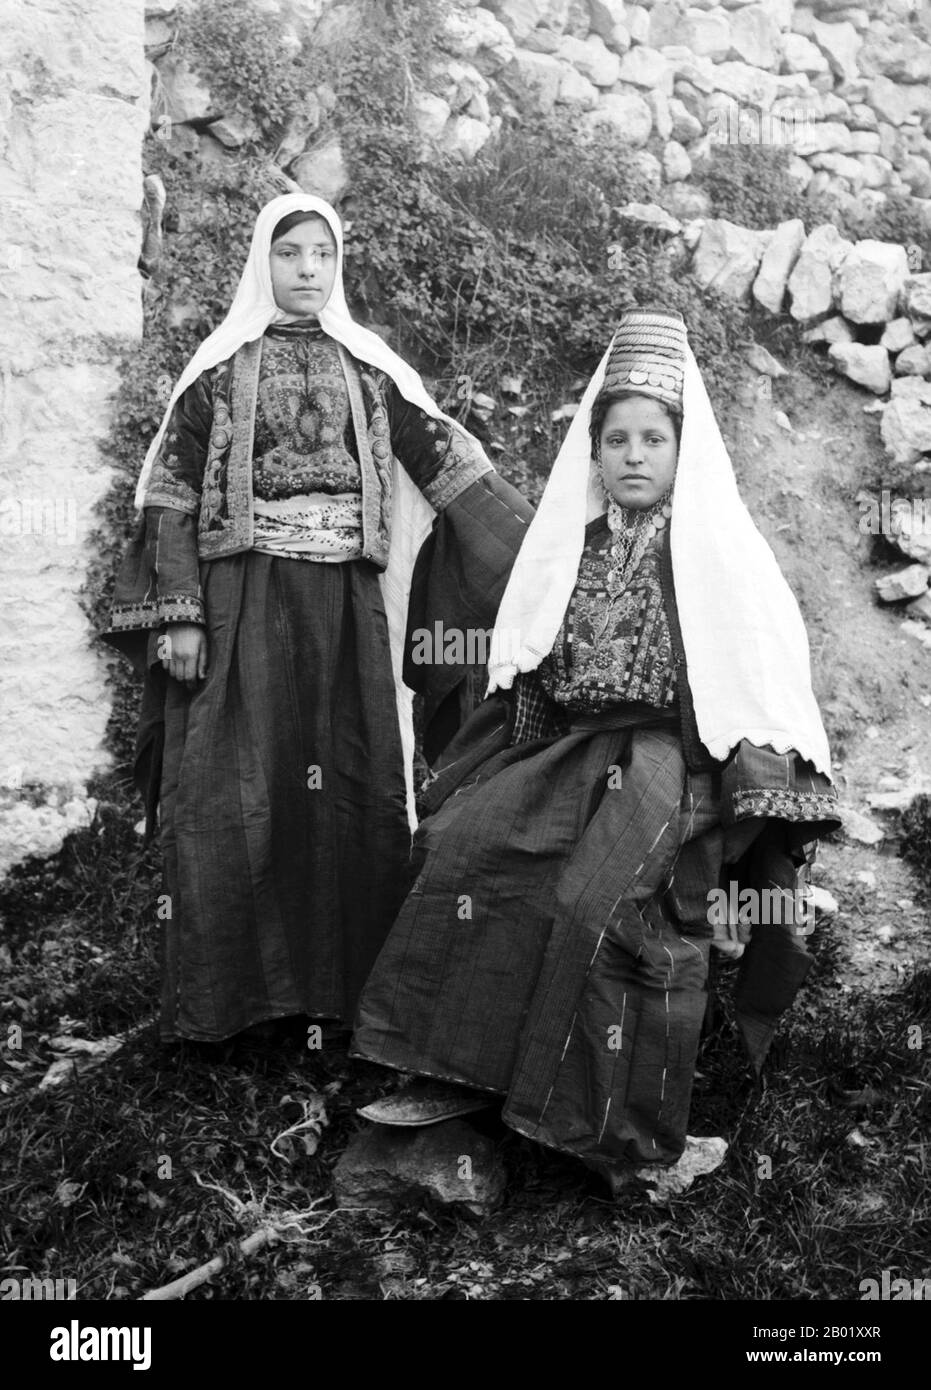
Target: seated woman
[(287, 502), (651, 736)]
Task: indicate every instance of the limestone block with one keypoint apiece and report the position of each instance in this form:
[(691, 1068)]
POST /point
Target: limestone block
[(840, 43), (914, 361), (708, 35), (647, 67), (801, 55), (822, 137), (866, 364), (686, 67), (323, 170), (576, 90), (727, 257), (659, 104), (895, 102), (684, 126), (465, 135), (591, 58), (746, 84), (917, 296), (876, 170), (870, 281), (905, 427), (833, 330), (627, 114), (534, 78), (898, 334), (769, 287), (755, 37), (811, 281), (676, 162), (479, 37), (605, 15)]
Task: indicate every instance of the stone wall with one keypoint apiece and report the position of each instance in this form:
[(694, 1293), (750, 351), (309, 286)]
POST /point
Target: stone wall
[(73, 109)]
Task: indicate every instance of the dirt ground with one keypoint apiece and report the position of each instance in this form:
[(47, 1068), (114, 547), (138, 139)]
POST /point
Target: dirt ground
[(872, 680)]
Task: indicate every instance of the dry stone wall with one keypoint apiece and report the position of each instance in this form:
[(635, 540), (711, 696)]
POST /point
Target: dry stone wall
[(73, 110)]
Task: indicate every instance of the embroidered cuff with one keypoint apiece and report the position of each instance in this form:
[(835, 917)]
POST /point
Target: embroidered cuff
[(787, 805), (181, 608), (462, 466)]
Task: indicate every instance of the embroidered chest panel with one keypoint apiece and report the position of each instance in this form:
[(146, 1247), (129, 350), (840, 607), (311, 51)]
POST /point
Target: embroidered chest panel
[(304, 441), (609, 651)]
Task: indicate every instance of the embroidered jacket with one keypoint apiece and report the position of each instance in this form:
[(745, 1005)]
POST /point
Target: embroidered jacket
[(204, 473)]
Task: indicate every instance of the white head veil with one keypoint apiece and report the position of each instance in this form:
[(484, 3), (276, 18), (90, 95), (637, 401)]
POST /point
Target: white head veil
[(251, 312), (746, 648)]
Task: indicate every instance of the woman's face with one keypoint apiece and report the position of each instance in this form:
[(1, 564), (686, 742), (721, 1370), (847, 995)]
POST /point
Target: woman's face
[(303, 267), (638, 452)]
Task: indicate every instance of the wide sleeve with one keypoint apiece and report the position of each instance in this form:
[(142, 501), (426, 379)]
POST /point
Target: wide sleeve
[(457, 585), (158, 581), (441, 458), (760, 784), (177, 474)]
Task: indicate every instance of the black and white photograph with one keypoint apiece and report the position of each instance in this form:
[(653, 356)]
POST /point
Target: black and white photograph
[(465, 738)]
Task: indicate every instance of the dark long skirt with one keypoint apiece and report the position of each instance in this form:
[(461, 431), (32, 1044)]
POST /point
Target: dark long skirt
[(284, 823), (537, 955)]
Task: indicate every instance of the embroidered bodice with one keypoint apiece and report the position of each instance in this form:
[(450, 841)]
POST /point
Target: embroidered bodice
[(303, 440), (610, 651)]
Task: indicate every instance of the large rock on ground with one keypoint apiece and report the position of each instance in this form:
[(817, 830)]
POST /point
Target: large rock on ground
[(908, 583), (905, 427), (898, 335), (914, 361), (832, 330), (811, 282), (870, 281), (450, 1163), (769, 287), (727, 257), (866, 364), (917, 295)]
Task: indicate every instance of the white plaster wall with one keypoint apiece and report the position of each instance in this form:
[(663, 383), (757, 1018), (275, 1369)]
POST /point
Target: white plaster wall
[(73, 111)]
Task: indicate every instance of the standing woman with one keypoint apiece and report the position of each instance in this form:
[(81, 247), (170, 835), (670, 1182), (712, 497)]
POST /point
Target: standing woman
[(285, 501), (655, 738)]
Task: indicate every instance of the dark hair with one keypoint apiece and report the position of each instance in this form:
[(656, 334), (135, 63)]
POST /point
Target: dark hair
[(293, 219), (603, 403)]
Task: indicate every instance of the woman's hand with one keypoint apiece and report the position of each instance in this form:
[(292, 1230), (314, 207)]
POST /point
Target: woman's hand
[(186, 656)]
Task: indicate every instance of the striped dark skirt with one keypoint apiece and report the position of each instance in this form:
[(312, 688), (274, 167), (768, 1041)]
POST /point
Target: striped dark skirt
[(538, 954), (283, 815)]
